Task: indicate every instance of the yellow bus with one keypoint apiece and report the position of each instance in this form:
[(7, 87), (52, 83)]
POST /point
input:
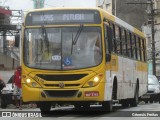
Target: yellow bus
[(81, 57)]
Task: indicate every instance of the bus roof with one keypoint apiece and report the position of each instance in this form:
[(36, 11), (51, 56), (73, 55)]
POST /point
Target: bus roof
[(122, 23)]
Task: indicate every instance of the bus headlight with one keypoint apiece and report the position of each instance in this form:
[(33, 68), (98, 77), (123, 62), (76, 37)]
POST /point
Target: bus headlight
[(28, 80), (96, 79), (31, 83), (92, 82)]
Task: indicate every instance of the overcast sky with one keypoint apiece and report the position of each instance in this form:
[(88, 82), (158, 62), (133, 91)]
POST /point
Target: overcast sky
[(28, 4)]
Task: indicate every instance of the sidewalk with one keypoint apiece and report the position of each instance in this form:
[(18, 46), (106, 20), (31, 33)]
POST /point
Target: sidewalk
[(6, 75)]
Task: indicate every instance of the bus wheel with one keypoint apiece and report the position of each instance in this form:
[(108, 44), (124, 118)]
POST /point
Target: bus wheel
[(125, 103), (151, 101), (134, 101), (45, 107), (107, 106), (146, 101)]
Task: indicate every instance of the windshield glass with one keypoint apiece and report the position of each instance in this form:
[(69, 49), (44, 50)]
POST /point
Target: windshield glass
[(153, 80), (63, 48)]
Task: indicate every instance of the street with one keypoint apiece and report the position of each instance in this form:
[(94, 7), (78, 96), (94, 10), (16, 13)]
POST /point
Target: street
[(142, 111)]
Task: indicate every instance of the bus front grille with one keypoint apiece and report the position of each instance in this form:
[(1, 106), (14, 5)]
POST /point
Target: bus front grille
[(66, 85), (67, 77), (61, 93)]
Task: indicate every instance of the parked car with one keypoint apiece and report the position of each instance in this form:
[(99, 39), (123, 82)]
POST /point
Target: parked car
[(153, 93), (7, 96)]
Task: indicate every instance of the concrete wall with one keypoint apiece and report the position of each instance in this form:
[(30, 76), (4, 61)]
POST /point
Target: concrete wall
[(7, 63)]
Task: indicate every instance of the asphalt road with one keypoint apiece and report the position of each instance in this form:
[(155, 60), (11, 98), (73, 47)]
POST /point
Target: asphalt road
[(150, 111)]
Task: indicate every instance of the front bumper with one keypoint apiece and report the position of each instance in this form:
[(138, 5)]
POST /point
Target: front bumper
[(79, 94)]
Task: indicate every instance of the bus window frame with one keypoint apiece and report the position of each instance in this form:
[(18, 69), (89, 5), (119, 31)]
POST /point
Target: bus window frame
[(136, 54), (125, 33), (130, 39)]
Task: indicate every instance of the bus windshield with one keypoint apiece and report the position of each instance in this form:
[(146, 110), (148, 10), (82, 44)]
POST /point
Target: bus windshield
[(56, 48)]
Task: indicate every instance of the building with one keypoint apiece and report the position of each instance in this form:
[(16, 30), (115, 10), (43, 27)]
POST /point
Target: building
[(147, 29), (130, 11), (5, 14)]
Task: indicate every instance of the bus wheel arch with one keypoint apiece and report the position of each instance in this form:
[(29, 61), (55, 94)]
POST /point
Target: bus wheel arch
[(134, 101)]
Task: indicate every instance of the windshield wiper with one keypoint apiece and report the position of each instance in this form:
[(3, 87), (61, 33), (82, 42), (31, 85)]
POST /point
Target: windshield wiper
[(77, 35), (74, 41)]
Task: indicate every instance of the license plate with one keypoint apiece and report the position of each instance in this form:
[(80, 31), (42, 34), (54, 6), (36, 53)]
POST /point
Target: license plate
[(92, 94)]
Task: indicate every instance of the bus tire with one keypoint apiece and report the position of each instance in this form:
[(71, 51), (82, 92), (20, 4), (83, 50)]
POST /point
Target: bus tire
[(134, 101), (146, 101), (107, 106), (151, 101), (125, 103), (45, 107)]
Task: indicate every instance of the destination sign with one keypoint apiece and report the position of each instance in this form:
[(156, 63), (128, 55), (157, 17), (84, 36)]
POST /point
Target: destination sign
[(63, 17)]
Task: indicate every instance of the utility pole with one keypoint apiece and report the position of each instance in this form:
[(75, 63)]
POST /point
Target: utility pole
[(153, 38), (151, 3)]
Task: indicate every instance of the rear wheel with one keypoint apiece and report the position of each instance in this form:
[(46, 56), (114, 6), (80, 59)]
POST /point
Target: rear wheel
[(45, 107), (146, 102), (151, 101), (134, 101), (125, 103)]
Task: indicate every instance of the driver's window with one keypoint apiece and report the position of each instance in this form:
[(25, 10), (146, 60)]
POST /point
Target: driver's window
[(108, 38)]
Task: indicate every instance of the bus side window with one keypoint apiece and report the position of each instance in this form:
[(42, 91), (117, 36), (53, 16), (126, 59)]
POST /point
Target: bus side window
[(123, 42), (143, 50), (118, 39), (126, 42), (139, 49), (131, 47), (108, 41), (135, 47), (114, 43)]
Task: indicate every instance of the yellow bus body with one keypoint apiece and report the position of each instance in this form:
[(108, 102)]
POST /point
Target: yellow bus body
[(106, 71)]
